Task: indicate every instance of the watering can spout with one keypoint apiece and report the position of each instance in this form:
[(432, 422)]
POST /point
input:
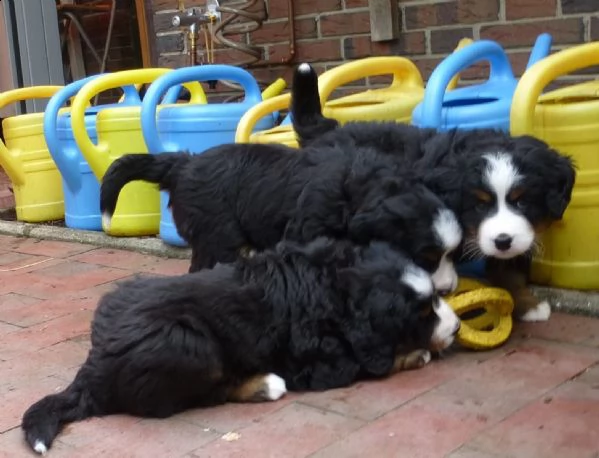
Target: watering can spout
[(540, 50)]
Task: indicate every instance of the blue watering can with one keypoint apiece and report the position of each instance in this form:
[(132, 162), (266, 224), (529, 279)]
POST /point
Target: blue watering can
[(194, 127), (80, 185), (485, 105)]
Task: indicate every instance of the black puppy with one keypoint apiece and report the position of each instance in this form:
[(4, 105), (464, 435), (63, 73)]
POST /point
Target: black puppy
[(311, 317), (504, 189), (239, 196)]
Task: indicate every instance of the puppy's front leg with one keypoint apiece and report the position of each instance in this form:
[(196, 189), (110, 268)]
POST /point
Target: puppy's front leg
[(260, 388), (512, 275), (413, 360)]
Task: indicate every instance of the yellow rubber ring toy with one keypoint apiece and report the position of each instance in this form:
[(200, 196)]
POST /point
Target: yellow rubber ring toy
[(494, 326)]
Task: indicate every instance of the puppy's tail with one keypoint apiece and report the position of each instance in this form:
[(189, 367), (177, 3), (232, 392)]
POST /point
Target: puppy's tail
[(155, 168), (306, 111), (44, 419)]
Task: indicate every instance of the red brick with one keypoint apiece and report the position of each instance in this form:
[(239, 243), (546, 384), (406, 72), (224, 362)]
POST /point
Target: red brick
[(233, 417), (274, 32), (345, 23), (293, 431), (523, 9), (450, 13), (134, 261), (432, 430), (370, 400), (46, 334), (43, 311), (278, 54), (549, 428), (563, 328), (6, 328), (318, 51), (579, 6), (96, 429), (315, 6), (563, 31), (356, 3), (37, 364), (15, 402), (426, 65), (50, 248), (409, 43), (444, 41)]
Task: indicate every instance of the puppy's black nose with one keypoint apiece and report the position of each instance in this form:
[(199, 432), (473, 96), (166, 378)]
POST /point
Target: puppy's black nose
[(503, 242), (444, 292)]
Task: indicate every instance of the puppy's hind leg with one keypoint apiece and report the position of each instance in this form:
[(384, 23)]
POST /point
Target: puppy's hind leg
[(260, 388), (413, 360)]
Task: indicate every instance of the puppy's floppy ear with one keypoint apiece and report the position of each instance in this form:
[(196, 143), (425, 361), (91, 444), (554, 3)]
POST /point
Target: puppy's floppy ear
[(378, 210), (558, 197), (351, 281)]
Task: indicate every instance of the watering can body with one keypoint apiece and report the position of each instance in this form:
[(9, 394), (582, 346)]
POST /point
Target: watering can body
[(27, 162), (392, 103), (118, 132), (568, 120), (194, 128), (80, 185), (485, 105)]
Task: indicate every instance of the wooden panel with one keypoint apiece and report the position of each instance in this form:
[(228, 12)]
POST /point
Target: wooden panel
[(147, 38), (384, 20)]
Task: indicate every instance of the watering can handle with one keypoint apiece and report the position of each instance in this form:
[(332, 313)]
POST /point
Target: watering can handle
[(246, 124), (461, 59), (11, 167), (66, 163), (538, 76), (100, 162), (185, 74), (403, 70)]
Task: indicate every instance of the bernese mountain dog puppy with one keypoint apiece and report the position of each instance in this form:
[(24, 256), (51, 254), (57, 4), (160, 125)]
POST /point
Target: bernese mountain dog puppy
[(299, 317), (504, 189), (238, 196)]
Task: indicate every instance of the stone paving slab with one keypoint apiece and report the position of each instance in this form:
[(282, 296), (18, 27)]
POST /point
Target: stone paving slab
[(537, 396)]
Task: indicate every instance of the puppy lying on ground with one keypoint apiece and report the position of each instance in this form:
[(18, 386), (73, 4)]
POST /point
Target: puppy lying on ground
[(310, 317), (503, 189), (247, 195)]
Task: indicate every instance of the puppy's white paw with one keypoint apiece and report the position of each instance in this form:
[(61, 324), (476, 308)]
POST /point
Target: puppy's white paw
[(275, 387), (541, 312)]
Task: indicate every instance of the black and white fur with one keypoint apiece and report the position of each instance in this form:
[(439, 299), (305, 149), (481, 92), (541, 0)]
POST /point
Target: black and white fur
[(299, 317), (239, 196), (503, 189)]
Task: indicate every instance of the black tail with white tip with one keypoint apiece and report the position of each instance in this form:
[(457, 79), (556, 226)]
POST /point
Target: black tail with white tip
[(154, 168), (306, 111), (44, 419)]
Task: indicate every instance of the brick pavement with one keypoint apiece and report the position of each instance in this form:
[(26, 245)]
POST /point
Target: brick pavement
[(538, 396)]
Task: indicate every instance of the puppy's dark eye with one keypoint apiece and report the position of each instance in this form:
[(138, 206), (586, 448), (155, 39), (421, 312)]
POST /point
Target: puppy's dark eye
[(484, 200)]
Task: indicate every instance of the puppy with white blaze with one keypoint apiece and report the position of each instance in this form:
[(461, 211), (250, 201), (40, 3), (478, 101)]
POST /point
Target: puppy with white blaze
[(296, 317), (503, 189), (239, 198)]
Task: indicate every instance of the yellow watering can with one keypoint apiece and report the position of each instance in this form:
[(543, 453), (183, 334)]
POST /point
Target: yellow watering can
[(37, 183), (568, 120), (119, 132), (392, 103)]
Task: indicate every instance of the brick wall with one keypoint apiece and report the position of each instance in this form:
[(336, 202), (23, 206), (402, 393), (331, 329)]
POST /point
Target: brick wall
[(331, 31)]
